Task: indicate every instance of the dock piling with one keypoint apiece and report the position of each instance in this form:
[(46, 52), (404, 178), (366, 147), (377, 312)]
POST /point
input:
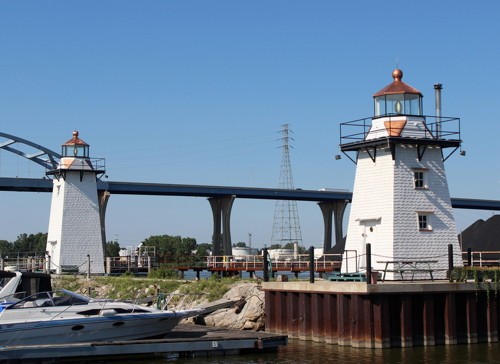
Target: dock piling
[(311, 264)]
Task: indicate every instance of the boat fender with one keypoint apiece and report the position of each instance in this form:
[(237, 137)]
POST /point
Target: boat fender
[(109, 312)]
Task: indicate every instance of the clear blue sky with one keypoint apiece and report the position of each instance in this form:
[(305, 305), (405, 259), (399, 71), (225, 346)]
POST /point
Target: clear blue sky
[(195, 92)]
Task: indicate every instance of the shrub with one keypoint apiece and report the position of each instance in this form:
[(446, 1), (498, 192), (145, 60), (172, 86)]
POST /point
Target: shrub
[(214, 288), (163, 273)]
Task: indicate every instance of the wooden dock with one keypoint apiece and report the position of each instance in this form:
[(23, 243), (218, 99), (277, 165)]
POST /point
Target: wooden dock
[(184, 341)]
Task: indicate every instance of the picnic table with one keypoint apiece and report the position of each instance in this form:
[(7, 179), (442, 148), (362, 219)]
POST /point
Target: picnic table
[(408, 266)]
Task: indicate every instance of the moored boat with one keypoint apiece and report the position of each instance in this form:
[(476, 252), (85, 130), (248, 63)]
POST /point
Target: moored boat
[(59, 317), (15, 285)]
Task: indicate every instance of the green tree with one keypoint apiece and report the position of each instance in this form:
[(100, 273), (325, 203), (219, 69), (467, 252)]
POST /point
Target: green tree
[(6, 248), (112, 249), (186, 247), (161, 244), (240, 244), (302, 250), (171, 247), (203, 250), (30, 245)]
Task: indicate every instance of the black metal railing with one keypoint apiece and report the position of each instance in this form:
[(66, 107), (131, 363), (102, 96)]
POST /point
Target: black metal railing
[(437, 127)]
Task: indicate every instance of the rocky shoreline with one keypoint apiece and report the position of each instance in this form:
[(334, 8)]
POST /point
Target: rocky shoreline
[(245, 300), (246, 313)]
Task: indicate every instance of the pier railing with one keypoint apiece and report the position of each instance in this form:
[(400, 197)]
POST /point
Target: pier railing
[(285, 263), (23, 264), (482, 258), (250, 263)]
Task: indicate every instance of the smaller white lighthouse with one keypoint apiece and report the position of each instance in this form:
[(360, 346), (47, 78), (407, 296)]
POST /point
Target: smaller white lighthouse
[(75, 226)]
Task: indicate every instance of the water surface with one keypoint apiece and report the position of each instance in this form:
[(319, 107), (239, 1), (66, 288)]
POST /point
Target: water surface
[(309, 352)]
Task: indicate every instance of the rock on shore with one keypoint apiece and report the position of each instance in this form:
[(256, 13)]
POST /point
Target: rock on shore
[(246, 314)]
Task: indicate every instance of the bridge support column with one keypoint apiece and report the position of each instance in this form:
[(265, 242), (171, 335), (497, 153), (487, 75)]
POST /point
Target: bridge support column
[(221, 210), (332, 210), (103, 197)]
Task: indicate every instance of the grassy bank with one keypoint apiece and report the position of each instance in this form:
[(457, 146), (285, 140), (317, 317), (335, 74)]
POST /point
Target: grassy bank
[(128, 287)]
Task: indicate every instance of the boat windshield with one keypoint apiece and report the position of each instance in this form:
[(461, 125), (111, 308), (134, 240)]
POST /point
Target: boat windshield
[(4, 281), (52, 298), (14, 297)]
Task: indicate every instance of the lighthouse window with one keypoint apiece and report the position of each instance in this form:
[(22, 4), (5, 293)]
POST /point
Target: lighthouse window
[(420, 179), (424, 222)]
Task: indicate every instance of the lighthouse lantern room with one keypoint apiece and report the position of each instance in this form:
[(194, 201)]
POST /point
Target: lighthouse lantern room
[(401, 203), (75, 231), (398, 98)]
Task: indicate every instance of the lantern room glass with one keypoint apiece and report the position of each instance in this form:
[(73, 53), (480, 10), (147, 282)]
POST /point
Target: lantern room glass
[(398, 104), (76, 150)]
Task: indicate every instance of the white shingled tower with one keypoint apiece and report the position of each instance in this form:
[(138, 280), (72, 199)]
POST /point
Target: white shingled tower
[(401, 202), (75, 224)]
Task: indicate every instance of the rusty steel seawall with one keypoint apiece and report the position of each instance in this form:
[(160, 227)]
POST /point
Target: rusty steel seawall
[(383, 315)]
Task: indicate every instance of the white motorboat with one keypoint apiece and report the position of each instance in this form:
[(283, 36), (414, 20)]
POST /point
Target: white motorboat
[(15, 285), (59, 317), (9, 282)]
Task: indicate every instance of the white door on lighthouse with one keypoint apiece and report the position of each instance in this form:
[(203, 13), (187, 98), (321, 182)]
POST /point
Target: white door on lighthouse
[(369, 235)]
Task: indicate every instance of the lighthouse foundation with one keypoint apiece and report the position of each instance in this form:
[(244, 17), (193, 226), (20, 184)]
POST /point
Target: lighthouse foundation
[(383, 315)]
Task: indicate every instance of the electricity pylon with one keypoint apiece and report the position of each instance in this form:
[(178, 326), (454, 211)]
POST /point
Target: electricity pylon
[(286, 225)]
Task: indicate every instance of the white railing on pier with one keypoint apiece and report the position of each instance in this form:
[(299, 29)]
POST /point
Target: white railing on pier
[(23, 264), (483, 258), (294, 262)]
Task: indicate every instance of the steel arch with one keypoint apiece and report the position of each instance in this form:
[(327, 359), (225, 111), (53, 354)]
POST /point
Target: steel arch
[(50, 161)]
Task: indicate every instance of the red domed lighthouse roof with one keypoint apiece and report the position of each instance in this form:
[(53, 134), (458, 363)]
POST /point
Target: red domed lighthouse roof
[(397, 86), (75, 140)]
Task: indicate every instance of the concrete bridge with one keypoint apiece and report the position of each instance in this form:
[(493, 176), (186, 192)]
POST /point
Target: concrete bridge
[(221, 198)]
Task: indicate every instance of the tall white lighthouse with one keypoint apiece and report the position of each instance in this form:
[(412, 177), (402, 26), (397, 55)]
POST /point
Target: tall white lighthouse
[(401, 202), (75, 225)]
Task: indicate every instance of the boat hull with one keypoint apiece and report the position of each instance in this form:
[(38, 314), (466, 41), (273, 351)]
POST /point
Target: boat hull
[(112, 328)]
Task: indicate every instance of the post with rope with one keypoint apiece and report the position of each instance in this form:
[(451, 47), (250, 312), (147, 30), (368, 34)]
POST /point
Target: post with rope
[(450, 261), (265, 268), (368, 263), (88, 266), (108, 265), (47, 266), (311, 264)]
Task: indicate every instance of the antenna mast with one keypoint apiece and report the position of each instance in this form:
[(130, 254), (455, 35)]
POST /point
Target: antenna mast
[(286, 225)]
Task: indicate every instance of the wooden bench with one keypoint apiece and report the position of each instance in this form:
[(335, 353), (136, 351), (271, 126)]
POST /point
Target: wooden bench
[(69, 269)]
